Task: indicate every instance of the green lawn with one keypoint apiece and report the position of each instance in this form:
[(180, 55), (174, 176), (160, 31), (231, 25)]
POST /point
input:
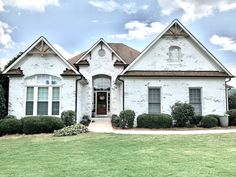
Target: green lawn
[(108, 155)]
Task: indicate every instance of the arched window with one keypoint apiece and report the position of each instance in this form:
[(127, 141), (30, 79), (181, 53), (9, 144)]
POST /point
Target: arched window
[(174, 53), (42, 95), (102, 83)]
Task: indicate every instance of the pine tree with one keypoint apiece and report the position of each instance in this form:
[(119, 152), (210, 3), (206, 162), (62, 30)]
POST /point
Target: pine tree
[(3, 110)]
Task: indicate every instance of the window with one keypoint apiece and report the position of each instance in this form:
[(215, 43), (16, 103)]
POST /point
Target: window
[(43, 95), (55, 100), (102, 83), (195, 100), (154, 100), (29, 100), (174, 53), (42, 101)]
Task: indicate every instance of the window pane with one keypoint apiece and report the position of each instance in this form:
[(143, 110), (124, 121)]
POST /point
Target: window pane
[(154, 100), (55, 108), (154, 95), (42, 108), (55, 94), (195, 99), (29, 107), (154, 108), (30, 94), (42, 94), (102, 84)]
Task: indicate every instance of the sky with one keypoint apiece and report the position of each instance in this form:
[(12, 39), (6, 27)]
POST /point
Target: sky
[(73, 26)]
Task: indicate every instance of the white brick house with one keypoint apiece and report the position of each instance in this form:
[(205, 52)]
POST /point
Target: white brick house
[(110, 77)]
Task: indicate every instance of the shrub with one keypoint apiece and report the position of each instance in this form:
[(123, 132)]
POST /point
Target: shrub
[(232, 116), (41, 124), (127, 118), (71, 130), (209, 122), (196, 119), (215, 116), (85, 120), (154, 121), (68, 117), (183, 113), (10, 126), (10, 117), (115, 120)]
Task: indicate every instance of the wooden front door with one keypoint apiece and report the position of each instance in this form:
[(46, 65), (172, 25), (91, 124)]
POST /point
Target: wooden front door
[(101, 103)]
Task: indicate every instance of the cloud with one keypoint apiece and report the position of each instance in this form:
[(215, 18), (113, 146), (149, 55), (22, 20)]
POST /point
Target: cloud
[(111, 5), (63, 52), (140, 30), (226, 43), (193, 10), (5, 37), (3, 62), (32, 5)]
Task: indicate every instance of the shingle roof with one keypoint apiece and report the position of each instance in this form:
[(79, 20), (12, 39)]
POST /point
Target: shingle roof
[(14, 72), (139, 73), (127, 53)]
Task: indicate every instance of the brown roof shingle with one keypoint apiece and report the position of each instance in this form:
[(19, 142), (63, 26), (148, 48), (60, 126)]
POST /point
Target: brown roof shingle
[(127, 53), (139, 73)]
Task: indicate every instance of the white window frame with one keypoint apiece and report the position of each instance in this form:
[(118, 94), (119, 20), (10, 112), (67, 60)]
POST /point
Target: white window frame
[(35, 100), (148, 99), (179, 54), (200, 88)]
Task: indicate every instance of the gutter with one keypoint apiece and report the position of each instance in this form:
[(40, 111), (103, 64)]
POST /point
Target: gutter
[(226, 94), (76, 93), (123, 95)]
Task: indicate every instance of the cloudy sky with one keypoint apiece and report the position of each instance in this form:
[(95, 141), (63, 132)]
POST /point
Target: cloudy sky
[(73, 26)]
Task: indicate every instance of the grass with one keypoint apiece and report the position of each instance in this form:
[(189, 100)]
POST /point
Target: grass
[(108, 155)]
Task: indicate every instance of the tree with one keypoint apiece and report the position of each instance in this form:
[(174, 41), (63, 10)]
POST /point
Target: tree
[(232, 101), (3, 108)]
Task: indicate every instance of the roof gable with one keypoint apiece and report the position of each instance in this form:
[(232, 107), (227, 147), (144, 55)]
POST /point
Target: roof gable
[(176, 29), (42, 47), (101, 40)]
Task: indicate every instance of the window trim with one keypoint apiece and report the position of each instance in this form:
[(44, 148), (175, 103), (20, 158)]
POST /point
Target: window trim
[(179, 54), (200, 88), (153, 87)]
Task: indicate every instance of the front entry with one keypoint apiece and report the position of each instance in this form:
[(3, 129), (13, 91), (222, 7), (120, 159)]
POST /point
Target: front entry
[(101, 103)]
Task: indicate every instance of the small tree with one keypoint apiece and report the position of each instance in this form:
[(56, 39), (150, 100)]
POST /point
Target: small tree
[(68, 117), (3, 108), (183, 113)]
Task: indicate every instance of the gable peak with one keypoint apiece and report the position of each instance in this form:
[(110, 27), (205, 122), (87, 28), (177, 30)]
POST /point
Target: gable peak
[(176, 29)]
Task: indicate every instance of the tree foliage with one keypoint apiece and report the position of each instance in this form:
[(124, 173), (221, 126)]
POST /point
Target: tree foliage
[(232, 101)]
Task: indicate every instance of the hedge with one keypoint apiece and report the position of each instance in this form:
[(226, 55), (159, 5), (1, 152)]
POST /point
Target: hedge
[(10, 126), (41, 124), (154, 121), (115, 120), (209, 122)]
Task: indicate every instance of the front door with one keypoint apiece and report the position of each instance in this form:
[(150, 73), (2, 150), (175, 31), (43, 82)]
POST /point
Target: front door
[(101, 103)]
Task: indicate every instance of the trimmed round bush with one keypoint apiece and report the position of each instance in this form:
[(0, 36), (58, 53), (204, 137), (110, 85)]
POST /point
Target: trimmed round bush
[(232, 117), (127, 119), (215, 116), (209, 122), (71, 130), (41, 124), (115, 120), (10, 126), (183, 113), (68, 117), (154, 121), (85, 121), (196, 119)]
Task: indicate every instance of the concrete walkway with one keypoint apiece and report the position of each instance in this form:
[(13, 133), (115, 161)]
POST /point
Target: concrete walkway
[(103, 125)]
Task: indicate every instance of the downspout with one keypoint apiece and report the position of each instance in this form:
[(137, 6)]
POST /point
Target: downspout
[(226, 94), (76, 92), (123, 88)]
